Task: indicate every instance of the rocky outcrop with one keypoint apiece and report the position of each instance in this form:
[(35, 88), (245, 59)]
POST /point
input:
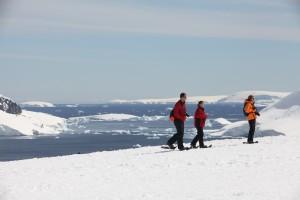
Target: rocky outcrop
[(9, 106)]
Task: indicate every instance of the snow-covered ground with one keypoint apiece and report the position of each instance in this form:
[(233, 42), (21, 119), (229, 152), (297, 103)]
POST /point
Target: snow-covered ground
[(228, 171), (37, 104), (31, 123)]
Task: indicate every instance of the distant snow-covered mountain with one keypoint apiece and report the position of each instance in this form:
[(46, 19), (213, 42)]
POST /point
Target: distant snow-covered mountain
[(37, 104), (195, 99), (262, 98)]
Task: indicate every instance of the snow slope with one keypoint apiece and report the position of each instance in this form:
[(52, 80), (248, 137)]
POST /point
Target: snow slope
[(229, 171), (31, 123), (208, 99), (37, 104), (262, 97)]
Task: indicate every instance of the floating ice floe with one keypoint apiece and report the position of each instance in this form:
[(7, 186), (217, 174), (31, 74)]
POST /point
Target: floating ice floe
[(40, 104)]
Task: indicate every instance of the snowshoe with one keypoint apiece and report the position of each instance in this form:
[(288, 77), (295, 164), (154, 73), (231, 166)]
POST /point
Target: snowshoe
[(169, 146), (184, 149), (205, 147), (255, 142)]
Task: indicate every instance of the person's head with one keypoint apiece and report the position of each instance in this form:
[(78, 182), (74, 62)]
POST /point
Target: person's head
[(201, 104), (251, 98), (183, 97)]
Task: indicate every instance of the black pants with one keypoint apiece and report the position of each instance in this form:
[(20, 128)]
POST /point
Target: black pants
[(199, 137), (178, 137), (252, 124)]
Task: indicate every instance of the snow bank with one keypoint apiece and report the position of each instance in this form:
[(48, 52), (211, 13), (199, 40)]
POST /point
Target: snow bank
[(208, 99), (281, 118), (31, 123), (37, 104), (286, 103), (262, 97), (229, 171)]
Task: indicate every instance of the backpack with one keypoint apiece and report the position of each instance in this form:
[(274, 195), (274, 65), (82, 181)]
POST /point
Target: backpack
[(244, 110)]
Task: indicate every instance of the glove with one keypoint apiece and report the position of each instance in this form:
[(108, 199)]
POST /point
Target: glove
[(187, 115), (257, 113)]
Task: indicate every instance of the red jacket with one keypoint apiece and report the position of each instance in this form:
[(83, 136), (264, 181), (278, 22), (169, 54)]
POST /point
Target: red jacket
[(180, 111), (200, 118)]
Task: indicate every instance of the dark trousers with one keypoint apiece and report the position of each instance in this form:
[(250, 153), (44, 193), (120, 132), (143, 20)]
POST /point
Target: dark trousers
[(199, 137), (178, 137), (252, 124)]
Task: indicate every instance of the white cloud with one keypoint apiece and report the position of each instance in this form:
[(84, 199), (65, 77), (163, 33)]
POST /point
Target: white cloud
[(83, 17)]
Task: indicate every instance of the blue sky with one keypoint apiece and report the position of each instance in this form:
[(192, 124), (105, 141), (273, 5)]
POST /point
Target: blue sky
[(76, 51)]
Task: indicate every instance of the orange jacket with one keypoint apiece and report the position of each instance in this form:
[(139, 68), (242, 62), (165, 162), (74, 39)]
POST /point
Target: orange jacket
[(250, 110)]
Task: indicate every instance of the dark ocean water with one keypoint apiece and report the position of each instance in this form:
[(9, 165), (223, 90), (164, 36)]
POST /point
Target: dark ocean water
[(150, 127)]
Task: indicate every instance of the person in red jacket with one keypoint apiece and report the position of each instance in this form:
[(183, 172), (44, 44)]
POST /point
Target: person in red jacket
[(179, 116), (200, 119)]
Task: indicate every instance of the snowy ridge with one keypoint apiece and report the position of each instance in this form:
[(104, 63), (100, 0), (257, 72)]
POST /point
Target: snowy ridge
[(31, 123), (37, 104)]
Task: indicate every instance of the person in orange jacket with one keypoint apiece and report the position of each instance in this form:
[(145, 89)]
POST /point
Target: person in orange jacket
[(251, 113)]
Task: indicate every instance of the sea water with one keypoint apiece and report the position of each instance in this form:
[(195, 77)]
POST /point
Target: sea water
[(108, 127)]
